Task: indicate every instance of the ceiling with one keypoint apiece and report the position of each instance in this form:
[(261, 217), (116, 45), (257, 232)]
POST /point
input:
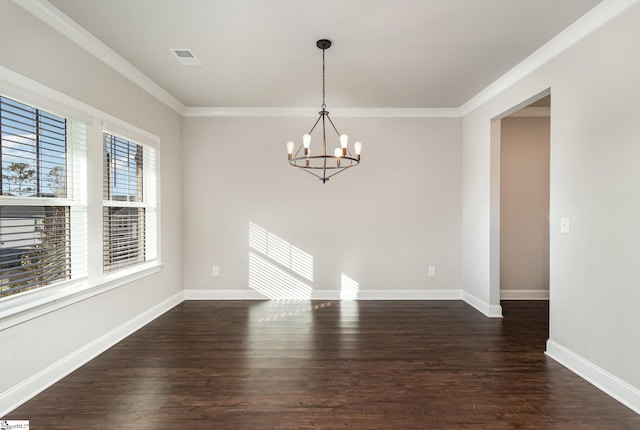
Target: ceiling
[(385, 53)]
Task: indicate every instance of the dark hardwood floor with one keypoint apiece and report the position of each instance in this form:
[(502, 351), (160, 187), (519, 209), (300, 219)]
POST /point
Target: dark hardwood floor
[(329, 365)]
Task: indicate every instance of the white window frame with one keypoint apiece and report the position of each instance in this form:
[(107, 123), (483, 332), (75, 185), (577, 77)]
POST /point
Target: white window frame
[(75, 200), (149, 201), (87, 196)]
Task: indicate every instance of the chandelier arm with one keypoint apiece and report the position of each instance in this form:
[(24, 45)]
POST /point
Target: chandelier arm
[(333, 125), (339, 171), (311, 173), (324, 178), (316, 123), (324, 143)]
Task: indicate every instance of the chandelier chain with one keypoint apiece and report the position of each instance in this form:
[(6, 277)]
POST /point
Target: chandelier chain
[(324, 105)]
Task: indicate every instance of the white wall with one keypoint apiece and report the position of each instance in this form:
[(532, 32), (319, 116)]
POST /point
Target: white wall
[(34, 50), (381, 223), (594, 181), (524, 205)]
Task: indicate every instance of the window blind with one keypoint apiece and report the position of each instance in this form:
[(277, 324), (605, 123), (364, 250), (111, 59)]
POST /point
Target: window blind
[(35, 248), (129, 213), (42, 217), (34, 151)]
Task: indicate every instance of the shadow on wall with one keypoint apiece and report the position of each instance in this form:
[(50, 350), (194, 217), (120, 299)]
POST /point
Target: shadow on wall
[(280, 271)]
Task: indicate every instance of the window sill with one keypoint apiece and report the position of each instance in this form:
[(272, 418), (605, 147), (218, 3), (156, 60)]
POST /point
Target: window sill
[(17, 309)]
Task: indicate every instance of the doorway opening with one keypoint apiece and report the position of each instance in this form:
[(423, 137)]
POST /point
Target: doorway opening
[(521, 264), (524, 202)]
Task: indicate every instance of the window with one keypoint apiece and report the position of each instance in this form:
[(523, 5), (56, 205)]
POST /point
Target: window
[(129, 211), (52, 206), (42, 219)]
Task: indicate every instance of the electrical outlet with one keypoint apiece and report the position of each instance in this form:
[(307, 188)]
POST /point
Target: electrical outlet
[(216, 270), (432, 270)]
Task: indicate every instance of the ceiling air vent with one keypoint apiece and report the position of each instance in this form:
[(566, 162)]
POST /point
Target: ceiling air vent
[(186, 57)]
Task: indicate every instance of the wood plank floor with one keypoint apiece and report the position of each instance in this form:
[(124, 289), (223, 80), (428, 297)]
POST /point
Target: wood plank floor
[(329, 365)]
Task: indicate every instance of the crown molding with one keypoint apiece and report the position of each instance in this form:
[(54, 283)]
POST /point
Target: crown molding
[(273, 112), (60, 22), (587, 24)]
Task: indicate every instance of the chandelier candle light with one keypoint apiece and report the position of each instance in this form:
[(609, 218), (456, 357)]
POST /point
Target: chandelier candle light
[(324, 166)]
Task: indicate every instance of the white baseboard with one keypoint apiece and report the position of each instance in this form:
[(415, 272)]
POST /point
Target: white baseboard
[(626, 394), (17, 395), (524, 294), (329, 295), (492, 311)]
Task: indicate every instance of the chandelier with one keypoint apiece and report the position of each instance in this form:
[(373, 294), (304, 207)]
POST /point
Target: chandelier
[(324, 165)]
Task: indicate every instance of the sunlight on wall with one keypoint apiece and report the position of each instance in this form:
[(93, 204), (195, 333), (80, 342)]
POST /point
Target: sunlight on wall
[(276, 269), (280, 251), (268, 279), (276, 266), (349, 288)]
